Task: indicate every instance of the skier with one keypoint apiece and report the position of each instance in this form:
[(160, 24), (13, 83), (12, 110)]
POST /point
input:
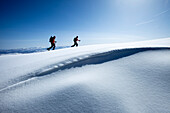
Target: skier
[(52, 41), (75, 41)]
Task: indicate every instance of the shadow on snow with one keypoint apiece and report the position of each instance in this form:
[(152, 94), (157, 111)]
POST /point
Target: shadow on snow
[(97, 59), (79, 62)]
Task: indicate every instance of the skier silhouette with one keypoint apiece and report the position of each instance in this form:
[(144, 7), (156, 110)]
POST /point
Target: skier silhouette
[(75, 41), (52, 41)]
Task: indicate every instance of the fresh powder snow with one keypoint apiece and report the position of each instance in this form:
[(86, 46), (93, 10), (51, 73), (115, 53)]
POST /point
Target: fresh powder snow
[(109, 78)]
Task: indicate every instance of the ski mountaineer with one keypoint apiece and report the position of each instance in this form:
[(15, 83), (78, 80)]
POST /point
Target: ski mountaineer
[(52, 41), (75, 41)]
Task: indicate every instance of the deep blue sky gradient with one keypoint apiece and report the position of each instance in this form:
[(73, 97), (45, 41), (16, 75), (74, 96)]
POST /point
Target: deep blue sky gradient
[(29, 23)]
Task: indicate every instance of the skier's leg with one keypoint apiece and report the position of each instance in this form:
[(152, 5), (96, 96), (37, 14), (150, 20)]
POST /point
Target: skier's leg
[(73, 45), (50, 47), (53, 46), (76, 44)]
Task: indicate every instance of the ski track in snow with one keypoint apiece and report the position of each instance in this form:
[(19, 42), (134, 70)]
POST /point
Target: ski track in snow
[(80, 61)]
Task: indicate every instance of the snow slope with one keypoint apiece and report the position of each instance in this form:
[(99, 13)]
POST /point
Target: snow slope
[(112, 78)]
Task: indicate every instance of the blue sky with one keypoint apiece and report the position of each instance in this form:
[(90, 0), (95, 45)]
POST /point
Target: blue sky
[(30, 23)]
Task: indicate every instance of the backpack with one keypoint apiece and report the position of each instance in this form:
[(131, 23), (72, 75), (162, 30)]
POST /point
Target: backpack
[(75, 39), (51, 39)]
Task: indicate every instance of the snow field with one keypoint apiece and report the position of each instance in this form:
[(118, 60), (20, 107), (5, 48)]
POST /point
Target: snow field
[(132, 78)]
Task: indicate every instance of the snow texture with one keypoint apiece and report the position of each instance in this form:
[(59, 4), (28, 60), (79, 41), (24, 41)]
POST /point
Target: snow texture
[(110, 78)]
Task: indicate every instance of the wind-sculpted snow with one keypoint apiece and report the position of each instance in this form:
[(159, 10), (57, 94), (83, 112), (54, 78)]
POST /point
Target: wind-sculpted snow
[(79, 62), (129, 80), (95, 59), (133, 84)]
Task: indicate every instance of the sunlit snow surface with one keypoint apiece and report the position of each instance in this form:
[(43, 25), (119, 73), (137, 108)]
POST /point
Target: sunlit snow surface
[(111, 78)]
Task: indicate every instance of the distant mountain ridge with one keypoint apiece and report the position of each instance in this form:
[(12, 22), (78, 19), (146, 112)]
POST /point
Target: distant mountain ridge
[(26, 50)]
